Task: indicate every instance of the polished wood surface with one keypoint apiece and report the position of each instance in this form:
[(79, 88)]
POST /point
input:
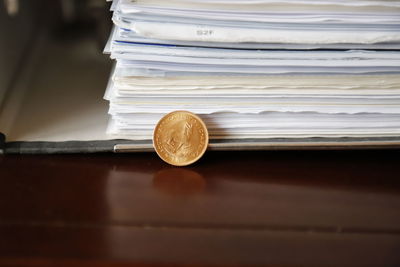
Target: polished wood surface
[(277, 208)]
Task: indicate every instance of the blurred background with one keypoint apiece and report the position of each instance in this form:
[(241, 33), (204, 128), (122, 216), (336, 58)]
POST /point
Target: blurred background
[(52, 68), (23, 21)]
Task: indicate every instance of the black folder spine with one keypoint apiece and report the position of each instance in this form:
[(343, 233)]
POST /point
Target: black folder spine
[(2, 143)]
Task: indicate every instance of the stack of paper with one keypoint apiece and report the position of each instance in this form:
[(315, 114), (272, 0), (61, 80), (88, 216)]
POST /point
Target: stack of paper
[(257, 68)]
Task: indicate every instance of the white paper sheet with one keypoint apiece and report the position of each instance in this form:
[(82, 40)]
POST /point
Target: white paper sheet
[(258, 68)]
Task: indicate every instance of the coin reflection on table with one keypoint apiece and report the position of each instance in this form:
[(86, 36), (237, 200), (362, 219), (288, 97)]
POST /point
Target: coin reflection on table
[(178, 181)]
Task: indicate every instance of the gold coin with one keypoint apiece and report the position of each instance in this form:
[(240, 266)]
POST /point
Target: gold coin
[(180, 138)]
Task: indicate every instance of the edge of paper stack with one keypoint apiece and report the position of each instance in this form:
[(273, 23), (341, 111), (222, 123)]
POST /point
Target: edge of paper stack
[(257, 69)]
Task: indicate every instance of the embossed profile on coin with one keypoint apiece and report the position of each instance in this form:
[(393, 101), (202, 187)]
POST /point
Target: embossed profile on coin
[(180, 138)]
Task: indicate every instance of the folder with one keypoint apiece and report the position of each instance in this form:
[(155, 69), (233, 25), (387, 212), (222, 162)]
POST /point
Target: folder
[(55, 104), (59, 108)]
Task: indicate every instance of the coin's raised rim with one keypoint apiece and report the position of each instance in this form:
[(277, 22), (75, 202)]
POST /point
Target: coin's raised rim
[(201, 122)]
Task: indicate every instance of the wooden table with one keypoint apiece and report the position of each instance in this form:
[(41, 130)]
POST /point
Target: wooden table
[(287, 208)]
